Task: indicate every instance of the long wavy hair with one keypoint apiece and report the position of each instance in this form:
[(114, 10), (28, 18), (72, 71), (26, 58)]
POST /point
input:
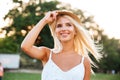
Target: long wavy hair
[(83, 42)]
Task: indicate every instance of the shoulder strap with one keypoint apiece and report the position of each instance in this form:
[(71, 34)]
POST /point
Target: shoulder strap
[(50, 54), (82, 59)]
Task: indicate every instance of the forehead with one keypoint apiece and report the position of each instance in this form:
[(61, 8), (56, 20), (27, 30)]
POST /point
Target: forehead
[(63, 19)]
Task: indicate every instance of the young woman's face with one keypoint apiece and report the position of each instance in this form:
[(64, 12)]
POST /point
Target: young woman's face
[(64, 30)]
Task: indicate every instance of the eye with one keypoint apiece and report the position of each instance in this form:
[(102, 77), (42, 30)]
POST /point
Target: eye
[(68, 24), (58, 25)]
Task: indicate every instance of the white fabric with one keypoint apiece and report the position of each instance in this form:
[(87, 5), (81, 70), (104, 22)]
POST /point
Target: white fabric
[(52, 72)]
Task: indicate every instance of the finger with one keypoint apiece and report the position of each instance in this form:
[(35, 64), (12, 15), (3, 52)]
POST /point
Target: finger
[(54, 14)]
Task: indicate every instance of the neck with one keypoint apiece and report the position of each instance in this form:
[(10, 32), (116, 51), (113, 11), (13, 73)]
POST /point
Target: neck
[(68, 46)]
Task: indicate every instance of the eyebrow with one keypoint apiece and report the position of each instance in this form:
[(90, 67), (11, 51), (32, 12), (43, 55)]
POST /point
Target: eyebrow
[(65, 23)]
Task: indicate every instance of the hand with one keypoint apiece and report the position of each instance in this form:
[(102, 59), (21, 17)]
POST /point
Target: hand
[(50, 16)]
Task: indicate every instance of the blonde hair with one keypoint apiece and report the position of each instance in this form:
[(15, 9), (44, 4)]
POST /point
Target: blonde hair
[(83, 42)]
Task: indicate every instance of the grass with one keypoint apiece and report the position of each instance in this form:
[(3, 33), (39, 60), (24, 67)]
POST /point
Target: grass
[(21, 76), (37, 76), (101, 76)]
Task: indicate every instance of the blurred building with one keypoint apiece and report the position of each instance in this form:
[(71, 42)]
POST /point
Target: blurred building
[(10, 61)]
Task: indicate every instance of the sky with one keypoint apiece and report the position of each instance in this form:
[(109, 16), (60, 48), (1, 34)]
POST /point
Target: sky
[(106, 13)]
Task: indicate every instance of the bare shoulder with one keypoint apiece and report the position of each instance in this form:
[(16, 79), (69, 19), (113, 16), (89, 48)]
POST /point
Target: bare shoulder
[(87, 66), (86, 62)]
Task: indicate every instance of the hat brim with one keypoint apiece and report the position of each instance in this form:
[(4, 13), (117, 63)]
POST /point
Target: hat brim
[(69, 13)]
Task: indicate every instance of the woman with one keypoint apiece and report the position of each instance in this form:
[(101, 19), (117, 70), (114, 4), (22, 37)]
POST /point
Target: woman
[(69, 59)]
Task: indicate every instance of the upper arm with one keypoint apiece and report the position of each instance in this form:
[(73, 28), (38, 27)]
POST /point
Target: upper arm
[(87, 69), (37, 52)]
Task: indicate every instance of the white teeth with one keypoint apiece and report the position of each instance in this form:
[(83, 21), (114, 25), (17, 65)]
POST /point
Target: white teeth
[(64, 33)]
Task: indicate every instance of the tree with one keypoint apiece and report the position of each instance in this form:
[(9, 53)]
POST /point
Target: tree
[(110, 60)]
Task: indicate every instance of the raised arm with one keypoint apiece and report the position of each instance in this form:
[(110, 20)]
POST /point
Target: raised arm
[(28, 43)]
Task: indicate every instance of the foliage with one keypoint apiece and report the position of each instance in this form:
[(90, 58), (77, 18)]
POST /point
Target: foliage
[(7, 46), (110, 60)]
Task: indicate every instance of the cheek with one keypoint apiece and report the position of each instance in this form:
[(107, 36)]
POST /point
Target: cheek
[(73, 30)]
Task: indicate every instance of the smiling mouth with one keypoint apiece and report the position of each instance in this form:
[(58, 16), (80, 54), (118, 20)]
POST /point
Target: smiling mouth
[(64, 34)]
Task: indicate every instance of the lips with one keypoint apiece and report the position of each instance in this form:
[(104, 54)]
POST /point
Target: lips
[(64, 34)]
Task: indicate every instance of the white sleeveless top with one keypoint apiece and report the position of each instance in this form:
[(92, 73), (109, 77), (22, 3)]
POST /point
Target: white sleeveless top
[(52, 72)]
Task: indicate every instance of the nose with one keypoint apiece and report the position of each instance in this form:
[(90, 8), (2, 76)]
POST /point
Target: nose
[(64, 28)]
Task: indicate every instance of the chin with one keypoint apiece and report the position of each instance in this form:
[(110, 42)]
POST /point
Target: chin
[(65, 40)]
